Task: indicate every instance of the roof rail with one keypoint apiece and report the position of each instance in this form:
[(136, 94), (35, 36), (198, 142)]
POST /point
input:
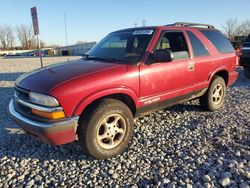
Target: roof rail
[(188, 24)]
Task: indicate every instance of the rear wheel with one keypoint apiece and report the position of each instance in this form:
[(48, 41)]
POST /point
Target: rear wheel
[(106, 129), (214, 98), (247, 72)]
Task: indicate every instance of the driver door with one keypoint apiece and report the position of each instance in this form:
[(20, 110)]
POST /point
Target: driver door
[(167, 82)]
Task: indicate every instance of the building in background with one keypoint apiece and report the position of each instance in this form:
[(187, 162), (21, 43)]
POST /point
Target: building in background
[(74, 50)]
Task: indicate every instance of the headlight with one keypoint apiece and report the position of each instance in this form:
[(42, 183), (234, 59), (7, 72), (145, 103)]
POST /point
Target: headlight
[(42, 99)]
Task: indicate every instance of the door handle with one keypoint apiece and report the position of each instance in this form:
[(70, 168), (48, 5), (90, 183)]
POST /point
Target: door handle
[(190, 66)]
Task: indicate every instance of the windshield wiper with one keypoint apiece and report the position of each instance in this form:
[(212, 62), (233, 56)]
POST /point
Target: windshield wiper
[(90, 57), (106, 59), (100, 59)]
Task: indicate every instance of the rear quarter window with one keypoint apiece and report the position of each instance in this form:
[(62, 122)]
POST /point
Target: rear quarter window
[(219, 40), (198, 48)]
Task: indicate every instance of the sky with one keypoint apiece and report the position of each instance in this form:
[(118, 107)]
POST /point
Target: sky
[(92, 20)]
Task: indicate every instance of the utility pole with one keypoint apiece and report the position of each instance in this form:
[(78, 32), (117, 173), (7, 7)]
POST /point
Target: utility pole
[(66, 35), (40, 50)]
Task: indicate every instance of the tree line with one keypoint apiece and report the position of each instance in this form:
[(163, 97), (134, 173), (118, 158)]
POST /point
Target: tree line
[(233, 28), (23, 33)]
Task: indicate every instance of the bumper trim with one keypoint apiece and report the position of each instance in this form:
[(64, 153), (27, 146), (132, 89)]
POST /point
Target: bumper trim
[(36, 126)]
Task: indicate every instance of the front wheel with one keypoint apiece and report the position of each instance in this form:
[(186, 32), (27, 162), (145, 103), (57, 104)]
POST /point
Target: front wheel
[(214, 98), (247, 72), (106, 129)]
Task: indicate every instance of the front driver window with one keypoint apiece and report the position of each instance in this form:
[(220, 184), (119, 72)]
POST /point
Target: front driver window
[(176, 42)]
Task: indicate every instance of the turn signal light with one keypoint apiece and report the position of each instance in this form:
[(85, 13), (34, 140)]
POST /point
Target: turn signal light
[(49, 115)]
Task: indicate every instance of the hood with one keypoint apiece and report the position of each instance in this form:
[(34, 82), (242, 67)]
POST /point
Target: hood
[(44, 79)]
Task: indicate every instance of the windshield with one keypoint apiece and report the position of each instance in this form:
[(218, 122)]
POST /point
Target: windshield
[(127, 47)]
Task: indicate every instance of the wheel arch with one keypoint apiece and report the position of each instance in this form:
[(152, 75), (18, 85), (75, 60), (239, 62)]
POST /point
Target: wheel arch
[(125, 95), (222, 72)]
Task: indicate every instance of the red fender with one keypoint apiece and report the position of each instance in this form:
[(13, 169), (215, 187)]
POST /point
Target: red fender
[(102, 93), (224, 67)]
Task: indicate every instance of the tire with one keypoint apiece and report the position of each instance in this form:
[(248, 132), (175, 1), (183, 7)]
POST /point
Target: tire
[(214, 97), (247, 72), (106, 128)]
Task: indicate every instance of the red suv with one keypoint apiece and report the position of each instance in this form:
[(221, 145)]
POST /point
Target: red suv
[(130, 72)]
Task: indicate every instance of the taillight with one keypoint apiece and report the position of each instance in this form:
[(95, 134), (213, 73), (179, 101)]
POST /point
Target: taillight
[(237, 62), (237, 58)]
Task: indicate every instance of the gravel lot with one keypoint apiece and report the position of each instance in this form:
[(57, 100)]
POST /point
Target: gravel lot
[(181, 146)]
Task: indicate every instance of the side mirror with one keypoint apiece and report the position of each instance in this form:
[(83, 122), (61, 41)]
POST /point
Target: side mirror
[(162, 55)]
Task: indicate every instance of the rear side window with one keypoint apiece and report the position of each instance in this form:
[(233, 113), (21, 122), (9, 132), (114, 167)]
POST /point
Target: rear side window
[(198, 48), (218, 40)]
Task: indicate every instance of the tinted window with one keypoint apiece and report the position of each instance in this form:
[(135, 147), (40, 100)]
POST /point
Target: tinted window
[(122, 46), (198, 48), (246, 44), (218, 40), (176, 42), (248, 38)]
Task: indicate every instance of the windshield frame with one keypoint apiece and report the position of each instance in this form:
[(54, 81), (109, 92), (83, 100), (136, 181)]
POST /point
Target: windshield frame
[(120, 60)]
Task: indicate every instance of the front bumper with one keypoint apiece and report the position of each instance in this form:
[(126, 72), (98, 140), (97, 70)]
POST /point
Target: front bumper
[(55, 133)]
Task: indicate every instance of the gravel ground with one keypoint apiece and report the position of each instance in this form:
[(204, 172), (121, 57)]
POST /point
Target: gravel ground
[(181, 146)]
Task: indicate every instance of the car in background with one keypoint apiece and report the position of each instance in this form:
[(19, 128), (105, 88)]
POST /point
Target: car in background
[(36, 53), (10, 55), (245, 57)]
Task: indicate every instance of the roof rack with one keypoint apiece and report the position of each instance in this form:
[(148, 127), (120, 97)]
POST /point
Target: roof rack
[(188, 24)]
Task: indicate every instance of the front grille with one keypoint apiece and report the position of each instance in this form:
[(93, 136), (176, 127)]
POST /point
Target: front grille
[(27, 111), (22, 94), (24, 110), (21, 108)]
